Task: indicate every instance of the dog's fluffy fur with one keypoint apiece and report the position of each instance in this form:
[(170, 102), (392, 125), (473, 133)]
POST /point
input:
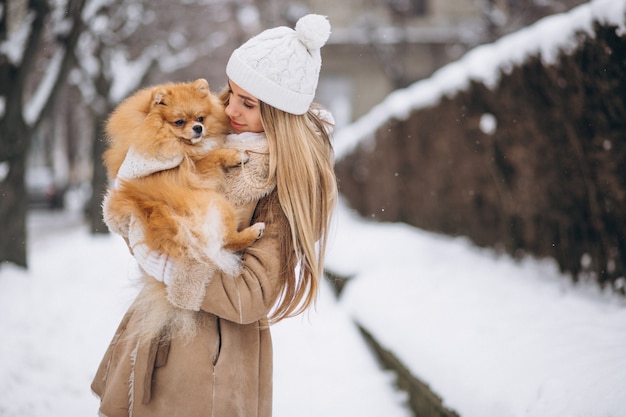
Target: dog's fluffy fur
[(183, 210)]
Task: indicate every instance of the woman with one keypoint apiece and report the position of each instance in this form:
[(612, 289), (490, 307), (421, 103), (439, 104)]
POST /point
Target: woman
[(225, 369)]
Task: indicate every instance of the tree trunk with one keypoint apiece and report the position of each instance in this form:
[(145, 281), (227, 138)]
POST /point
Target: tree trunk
[(15, 132), (98, 179), (13, 204)]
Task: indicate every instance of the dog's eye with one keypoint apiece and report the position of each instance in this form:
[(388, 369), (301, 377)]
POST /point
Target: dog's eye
[(179, 122), (200, 119)]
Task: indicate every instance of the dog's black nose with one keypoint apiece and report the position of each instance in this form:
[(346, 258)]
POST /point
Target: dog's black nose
[(197, 129)]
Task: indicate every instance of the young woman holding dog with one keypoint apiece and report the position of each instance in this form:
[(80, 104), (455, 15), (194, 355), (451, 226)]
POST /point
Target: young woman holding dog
[(225, 369)]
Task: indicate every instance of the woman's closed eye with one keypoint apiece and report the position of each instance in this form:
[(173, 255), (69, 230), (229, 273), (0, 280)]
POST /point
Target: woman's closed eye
[(244, 100)]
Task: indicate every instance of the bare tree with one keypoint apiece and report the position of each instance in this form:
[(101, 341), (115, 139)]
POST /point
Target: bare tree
[(27, 92)]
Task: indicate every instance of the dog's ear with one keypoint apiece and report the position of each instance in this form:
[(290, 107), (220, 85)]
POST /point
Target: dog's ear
[(201, 84), (157, 96)]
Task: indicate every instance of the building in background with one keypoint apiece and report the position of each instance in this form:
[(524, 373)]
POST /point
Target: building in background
[(378, 46)]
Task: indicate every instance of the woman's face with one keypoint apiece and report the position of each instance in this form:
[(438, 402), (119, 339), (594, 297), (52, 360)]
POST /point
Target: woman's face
[(243, 110)]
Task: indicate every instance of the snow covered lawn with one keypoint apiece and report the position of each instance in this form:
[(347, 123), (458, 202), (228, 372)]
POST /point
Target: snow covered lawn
[(57, 318), (493, 337)]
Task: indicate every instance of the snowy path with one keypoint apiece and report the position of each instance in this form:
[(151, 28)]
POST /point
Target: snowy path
[(493, 337), (58, 318)]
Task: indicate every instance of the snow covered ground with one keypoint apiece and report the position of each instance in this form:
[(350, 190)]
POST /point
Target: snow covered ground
[(57, 318), (493, 337)]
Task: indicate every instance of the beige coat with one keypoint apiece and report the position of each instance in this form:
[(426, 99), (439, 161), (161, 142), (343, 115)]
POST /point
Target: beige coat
[(226, 369)]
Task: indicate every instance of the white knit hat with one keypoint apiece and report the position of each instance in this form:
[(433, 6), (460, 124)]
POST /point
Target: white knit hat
[(281, 66)]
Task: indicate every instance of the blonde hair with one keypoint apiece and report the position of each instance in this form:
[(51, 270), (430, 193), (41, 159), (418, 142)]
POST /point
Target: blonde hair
[(301, 159), (301, 162)]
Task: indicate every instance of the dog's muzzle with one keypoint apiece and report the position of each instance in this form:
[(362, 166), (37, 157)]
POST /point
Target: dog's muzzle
[(197, 130)]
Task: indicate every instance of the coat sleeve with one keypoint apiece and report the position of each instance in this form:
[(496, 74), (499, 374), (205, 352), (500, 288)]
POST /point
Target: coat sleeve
[(248, 296)]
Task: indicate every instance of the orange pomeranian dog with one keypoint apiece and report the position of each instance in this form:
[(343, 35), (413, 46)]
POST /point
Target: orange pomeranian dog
[(182, 210)]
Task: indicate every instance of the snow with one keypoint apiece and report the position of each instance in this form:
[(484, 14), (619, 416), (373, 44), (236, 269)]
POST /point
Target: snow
[(58, 317), (492, 336), (14, 46), (35, 105), (4, 170), (485, 64), (488, 124), (127, 80), (92, 8)]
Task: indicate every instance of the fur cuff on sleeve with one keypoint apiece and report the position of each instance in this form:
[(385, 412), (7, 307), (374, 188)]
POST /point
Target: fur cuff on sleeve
[(190, 278), (188, 284), (250, 182), (136, 165)]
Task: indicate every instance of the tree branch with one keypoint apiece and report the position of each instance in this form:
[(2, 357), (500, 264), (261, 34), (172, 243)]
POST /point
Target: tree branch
[(75, 9)]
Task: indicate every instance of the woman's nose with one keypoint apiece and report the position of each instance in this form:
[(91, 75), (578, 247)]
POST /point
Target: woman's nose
[(230, 110)]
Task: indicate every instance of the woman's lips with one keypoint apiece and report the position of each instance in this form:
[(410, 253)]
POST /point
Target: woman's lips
[(236, 125)]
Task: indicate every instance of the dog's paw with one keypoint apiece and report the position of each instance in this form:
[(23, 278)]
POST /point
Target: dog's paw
[(259, 228), (245, 157)]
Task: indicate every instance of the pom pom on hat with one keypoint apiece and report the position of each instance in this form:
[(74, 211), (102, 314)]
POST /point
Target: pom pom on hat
[(280, 66), (313, 31)]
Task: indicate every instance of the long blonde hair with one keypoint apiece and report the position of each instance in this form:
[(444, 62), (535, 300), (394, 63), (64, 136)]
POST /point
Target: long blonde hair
[(301, 162), (301, 159)]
